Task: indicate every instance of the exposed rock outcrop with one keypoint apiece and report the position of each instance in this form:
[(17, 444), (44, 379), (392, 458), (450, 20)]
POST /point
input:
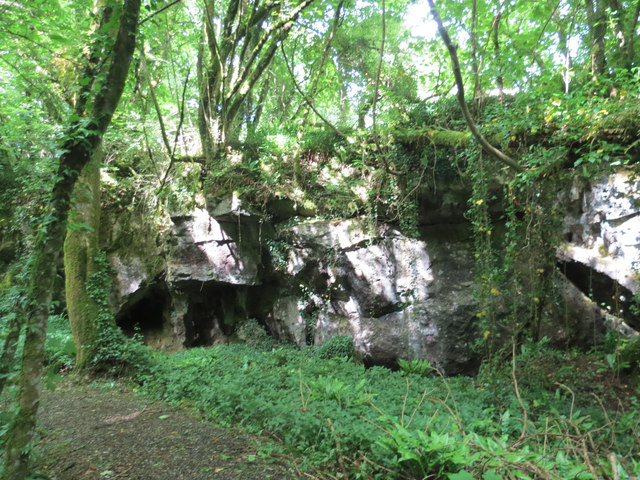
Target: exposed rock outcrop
[(602, 250), (190, 285), (399, 298), (206, 250)]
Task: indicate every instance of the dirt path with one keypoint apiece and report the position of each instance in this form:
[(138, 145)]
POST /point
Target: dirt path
[(102, 432)]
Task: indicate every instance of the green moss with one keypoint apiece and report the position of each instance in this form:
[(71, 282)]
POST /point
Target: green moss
[(80, 248), (434, 136)]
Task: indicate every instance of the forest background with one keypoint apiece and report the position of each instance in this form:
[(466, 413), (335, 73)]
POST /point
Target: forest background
[(157, 105)]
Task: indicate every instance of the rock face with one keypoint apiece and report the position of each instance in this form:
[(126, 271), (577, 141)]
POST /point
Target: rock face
[(197, 286), (603, 240), (397, 297), (204, 252)]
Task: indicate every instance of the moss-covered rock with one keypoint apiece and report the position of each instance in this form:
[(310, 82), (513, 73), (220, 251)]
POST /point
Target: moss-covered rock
[(436, 136)]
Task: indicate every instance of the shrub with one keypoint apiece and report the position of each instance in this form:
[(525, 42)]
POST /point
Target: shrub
[(60, 351), (254, 335), (337, 347), (416, 366)]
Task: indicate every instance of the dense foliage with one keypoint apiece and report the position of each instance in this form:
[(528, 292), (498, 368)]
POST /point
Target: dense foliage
[(344, 108), (374, 423)]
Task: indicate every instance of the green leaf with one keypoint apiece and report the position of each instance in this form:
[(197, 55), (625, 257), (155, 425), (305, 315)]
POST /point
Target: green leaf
[(491, 475), (59, 38), (461, 475), (79, 227)]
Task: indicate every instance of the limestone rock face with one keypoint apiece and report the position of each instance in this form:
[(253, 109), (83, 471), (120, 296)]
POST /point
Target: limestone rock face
[(603, 239), (204, 251), (135, 254), (399, 298), (604, 231), (191, 285)]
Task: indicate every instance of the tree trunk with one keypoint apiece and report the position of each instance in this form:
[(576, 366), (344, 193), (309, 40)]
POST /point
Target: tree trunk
[(597, 19), (78, 149), (477, 89), (297, 167), (625, 21), (496, 51), (80, 249), (231, 60), (9, 350)]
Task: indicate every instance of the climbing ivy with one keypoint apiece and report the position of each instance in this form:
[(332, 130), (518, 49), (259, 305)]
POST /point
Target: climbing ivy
[(114, 351), (514, 250)]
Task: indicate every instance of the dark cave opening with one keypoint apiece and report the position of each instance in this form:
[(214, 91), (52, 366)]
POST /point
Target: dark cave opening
[(215, 310), (146, 313), (603, 290), (201, 323)]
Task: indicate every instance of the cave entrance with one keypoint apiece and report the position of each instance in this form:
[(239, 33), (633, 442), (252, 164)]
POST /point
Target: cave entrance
[(147, 314), (603, 290), (215, 310)]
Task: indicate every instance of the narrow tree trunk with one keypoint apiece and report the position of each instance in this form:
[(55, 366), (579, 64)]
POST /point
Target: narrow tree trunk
[(496, 51), (9, 350), (297, 167), (597, 19), (625, 21), (477, 89), (630, 51), (78, 150), (252, 125)]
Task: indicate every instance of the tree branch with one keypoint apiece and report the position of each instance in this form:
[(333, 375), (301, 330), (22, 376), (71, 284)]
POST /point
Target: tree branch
[(283, 28), (490, 149), (159, 11), (172, 152), (154, 99), (306, 99), (377, 86)]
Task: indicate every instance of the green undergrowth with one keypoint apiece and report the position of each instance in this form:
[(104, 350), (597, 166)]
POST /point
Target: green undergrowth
[(513, 421)]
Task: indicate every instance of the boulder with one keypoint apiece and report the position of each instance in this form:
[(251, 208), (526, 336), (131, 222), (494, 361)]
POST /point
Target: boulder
[(287, 320), (399, 298)]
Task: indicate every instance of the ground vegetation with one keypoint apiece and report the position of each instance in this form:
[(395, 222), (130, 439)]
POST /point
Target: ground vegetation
[(345, 109)]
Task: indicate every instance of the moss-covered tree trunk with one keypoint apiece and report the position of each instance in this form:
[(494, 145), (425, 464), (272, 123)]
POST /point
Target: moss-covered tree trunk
[(81, 141), (80, 249), (9, 349)]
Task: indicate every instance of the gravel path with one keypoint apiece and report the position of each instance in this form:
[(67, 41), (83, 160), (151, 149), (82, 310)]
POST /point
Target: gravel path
[(104, 431)]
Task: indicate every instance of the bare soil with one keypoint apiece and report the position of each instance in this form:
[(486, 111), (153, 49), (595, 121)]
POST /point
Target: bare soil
[(102, 431)]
